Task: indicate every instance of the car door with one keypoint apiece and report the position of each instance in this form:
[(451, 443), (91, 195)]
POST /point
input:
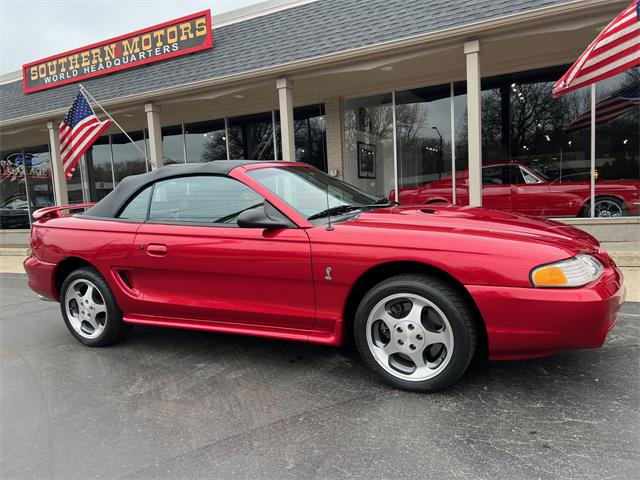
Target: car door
[(496, 187), (193, 262), (530, 194)]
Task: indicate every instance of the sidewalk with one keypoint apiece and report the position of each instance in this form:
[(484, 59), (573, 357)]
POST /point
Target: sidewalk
[(625, 254)]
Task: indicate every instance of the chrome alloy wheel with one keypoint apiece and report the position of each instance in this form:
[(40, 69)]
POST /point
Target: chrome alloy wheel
[(608, 208), (86, 309), (410, 337)]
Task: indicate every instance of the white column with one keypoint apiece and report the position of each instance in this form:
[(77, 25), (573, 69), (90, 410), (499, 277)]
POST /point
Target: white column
[(474, 122), (333, 114), (155, 135), (285, 95), (59, 180)]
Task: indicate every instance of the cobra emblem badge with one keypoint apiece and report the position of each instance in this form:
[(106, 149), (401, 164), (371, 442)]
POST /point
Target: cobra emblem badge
[(328, 273)]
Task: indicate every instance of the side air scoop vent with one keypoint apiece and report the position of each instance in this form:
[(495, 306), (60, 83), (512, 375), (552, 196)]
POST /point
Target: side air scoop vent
[(428, 211)]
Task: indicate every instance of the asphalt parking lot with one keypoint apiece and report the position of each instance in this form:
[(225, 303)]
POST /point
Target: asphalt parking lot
[(179, 404)]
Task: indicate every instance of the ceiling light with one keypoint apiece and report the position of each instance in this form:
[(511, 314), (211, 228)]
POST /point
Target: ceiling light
[(238, 96), (387, 68), (128, 115)]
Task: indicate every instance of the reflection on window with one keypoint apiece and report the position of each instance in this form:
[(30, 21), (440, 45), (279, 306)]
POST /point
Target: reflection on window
[(136, 209), (206, 141), (172, 144), (251, 137), (99, 168), (201, 199), (310, 135), (127, 159), (423, 119), (39, 179), (524, 125), (618, 145), (368, 149), (14, 208)]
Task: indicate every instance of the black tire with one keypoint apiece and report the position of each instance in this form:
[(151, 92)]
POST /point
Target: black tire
[(586, 210), (114, 328), (454, 306)]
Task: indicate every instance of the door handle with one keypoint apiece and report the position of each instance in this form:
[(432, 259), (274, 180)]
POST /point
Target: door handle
[(157, 249)]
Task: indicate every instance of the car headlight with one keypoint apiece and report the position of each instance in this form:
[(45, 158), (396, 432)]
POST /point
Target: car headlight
[(574, 272)]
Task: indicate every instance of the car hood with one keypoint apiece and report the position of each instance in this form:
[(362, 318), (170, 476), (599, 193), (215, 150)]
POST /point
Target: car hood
[(481, 222)]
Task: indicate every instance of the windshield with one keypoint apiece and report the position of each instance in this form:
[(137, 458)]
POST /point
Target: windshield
[(313, 193)]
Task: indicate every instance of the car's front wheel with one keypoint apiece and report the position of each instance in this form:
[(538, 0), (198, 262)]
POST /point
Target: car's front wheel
[(90, 310), (417, 332)]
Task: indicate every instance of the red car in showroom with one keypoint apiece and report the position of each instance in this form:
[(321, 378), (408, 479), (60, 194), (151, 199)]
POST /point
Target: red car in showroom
[(515, 187), (282, 250)]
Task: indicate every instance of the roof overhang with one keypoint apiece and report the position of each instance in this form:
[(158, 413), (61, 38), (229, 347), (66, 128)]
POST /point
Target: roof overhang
[(567, 16)]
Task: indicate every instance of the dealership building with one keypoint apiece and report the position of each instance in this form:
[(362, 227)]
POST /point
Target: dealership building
[(390, 95)]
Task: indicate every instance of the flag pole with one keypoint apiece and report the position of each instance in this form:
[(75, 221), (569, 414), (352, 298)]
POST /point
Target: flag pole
[(85, 92)]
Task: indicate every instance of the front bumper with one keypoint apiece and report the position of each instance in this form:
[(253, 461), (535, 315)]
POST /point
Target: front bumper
[(41, 277), (536, 322)]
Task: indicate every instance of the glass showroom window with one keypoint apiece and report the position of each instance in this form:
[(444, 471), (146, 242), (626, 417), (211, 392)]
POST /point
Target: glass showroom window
[(206, 141), (74, 187), (617, 145), (39, 177), (173, 144), (535, 149), (99, 169), (251, 137), (127, 159), (310, 135), (368, 148), (424, 141), (14, 205)]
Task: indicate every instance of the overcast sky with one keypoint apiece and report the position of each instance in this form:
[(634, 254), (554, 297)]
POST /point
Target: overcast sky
[(34, 29)]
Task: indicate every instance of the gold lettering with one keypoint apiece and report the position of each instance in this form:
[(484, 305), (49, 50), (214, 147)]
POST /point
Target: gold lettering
[(201, 27), (73, 62), (158, 34), (85, 59), (172, 34), (131, 45), (52, 67), (146, 41), (42, 70), (185, 31), (34, 73), (109, 51), (96, 55), (61, 62)]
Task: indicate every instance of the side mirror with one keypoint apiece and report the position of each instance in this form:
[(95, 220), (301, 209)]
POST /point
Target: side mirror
[(258, 218)]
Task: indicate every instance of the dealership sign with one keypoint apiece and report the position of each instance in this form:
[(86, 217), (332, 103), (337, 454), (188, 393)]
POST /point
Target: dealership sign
[(177, 37)]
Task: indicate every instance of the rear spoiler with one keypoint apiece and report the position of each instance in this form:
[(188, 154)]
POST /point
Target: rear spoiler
[(56, 212)]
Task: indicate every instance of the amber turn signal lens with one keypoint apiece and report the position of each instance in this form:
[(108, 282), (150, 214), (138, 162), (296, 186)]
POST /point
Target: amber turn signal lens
[(549, 276), (572, 272)]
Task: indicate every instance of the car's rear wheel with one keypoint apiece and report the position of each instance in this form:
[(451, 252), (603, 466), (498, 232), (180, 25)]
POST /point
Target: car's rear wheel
[(89, 309), (416, 332), (605, 207)]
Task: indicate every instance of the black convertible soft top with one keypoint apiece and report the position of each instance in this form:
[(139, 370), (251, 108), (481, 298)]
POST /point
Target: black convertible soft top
[(110, 205)]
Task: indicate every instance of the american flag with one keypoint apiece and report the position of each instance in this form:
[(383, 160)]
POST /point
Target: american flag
[(79, 129), (619, 102), (614, 51)]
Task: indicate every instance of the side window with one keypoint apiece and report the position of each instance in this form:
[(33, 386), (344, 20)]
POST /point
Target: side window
[(528, 178), (516, 175), (201, 199), (136, 209), (493, 175)]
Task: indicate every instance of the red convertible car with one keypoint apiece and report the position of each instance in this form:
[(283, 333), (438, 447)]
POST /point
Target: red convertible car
[(285, 251), (514, 187)]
